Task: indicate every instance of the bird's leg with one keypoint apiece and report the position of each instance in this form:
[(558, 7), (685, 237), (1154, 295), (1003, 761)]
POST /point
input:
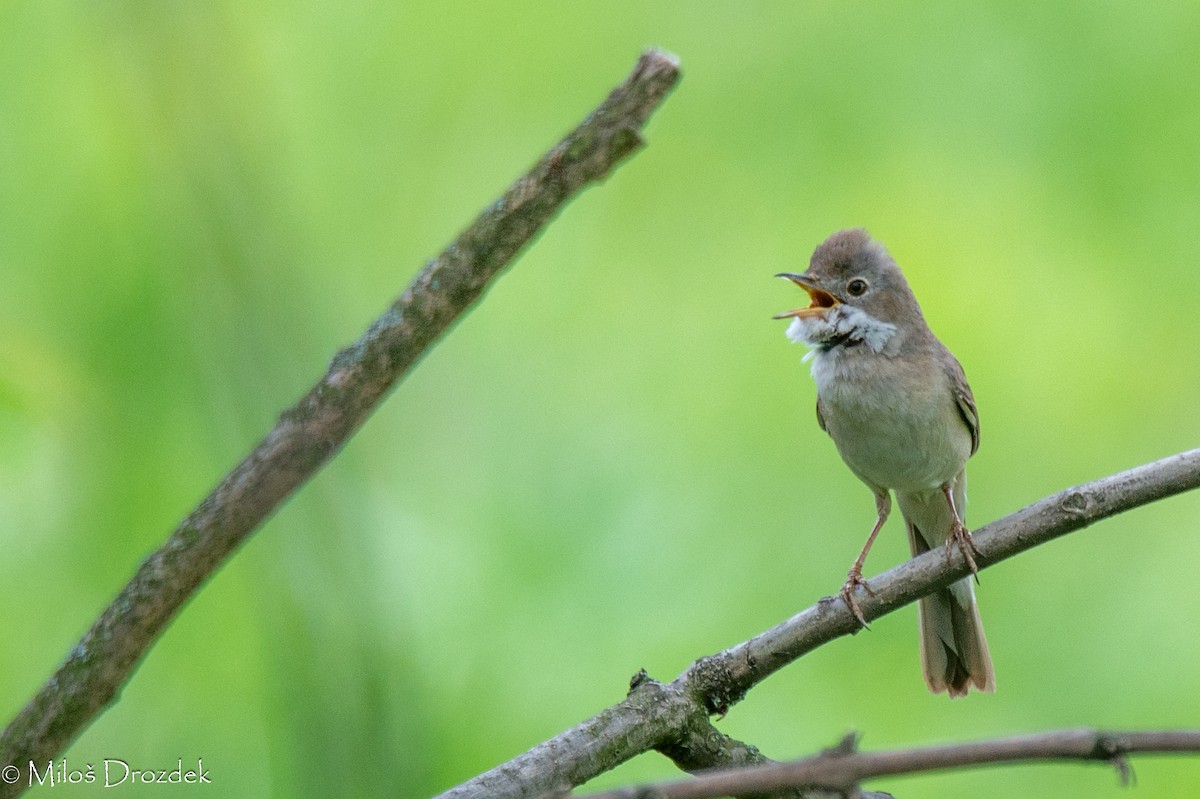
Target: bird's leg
[(883, 506), (959, 535)]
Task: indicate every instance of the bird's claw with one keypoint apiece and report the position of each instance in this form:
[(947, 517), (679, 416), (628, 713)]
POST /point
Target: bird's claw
[(854, 580), (960, 536)]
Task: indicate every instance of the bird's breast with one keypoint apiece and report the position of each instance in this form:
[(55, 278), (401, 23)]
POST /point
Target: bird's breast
[(895, 424)]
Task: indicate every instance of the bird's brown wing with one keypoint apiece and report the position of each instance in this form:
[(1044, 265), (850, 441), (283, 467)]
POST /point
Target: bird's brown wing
[(964, 399), (821, 415)]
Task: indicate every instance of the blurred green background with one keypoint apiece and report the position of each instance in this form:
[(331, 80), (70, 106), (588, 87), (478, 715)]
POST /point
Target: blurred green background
[(613, 462)]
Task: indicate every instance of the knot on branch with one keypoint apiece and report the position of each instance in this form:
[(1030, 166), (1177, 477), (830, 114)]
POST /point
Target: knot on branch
[(1075, 503), (642, 678), (712, 685), (1113, 748)]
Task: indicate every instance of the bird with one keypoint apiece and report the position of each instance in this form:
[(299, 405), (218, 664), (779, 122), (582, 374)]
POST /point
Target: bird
[(901, 414)]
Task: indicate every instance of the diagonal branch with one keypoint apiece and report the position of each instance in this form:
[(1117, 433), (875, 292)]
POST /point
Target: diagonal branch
[(723, 679), (657, 716), (310, 433), (842, 770)]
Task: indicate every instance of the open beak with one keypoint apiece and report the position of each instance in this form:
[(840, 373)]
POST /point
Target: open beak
[(821, 300)]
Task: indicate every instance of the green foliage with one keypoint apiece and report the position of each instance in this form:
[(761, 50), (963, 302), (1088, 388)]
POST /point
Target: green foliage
[(613, 463)]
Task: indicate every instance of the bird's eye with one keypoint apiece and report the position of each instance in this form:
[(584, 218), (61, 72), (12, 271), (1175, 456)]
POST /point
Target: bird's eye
[(857, 287)]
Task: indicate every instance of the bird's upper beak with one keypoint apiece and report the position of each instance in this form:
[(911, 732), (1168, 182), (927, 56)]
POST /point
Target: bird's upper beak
[(821, 300)]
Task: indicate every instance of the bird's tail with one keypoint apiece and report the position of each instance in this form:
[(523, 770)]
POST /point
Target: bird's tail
[(954, 650)]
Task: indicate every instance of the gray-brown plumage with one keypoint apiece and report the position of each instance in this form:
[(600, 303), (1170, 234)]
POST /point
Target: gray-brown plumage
[(898, 407)]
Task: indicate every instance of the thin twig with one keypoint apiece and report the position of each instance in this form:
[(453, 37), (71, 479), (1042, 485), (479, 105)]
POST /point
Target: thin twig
[(311, 432), (842, 771), (656, 716), (704, 748)]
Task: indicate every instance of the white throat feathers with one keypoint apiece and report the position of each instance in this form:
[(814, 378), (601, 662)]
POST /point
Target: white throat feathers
[(840, 326)]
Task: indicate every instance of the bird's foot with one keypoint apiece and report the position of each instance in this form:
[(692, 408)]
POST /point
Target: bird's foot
[(960, 536), (854, 580)]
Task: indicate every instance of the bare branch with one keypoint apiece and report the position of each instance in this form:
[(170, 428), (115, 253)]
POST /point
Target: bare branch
[(703, 748), (657, 716), (308, 434), (723, 679), (842, 771)]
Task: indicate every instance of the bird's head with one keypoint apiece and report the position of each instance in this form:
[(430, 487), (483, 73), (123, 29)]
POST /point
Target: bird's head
[(856, 293)]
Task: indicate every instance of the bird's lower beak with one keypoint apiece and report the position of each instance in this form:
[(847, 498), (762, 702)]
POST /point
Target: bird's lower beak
[(822, 301)]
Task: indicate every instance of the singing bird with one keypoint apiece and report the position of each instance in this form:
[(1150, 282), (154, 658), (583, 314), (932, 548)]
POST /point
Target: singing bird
[(898, 407)]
